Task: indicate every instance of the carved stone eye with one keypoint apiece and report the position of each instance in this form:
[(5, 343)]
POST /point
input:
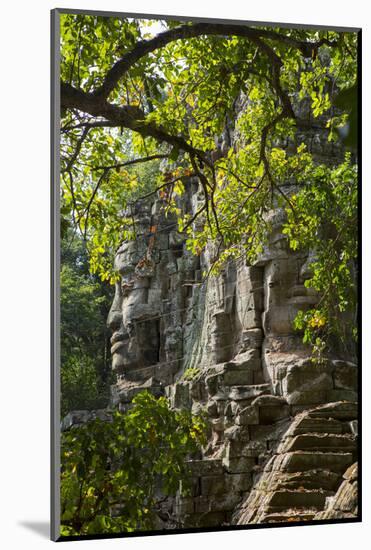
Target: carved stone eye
[(126, 286)]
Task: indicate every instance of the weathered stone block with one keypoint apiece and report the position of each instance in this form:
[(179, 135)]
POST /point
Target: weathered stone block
[(142, 282), (154, 297), (247, 360), (180, 398), (271, 408), (251, 319), (252, 338), (305, 383), (233, 433), (249, 415), (184, 505), (206, 467), (212, 383), (212, 409), (202, 504), (196, 389), (340, 410), (211, 519), (239, 465), (240, 393), (127, 394), (217, 424), (258, 432), (345, 375), (212, 485), (310, 479), (238, 482), (235, 377), (341, 395), (258, 377), (77, 418), (226, 502), (319, 442), (231, 409), (308, 424), (191, 488)]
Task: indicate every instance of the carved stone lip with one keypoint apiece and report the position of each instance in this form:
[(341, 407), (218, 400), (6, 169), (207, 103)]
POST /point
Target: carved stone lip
[(116, 337), (117, 346), (298, 290)]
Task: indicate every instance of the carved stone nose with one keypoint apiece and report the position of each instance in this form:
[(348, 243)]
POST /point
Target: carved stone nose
[(114, 319)]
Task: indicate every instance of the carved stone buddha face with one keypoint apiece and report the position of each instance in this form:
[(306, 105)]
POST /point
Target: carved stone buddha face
[(133, 321), (248, 308)]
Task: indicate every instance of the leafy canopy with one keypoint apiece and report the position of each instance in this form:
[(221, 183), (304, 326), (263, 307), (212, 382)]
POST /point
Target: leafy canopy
[(228, 104), (112, 471)]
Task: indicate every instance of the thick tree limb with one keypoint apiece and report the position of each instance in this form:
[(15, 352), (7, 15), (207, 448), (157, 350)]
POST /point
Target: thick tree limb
[(111, 115), (145, 47), (126, 116), (132, 117)]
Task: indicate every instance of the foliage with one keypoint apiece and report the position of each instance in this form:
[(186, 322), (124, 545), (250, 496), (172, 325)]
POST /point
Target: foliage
[(324, 220), (111, 471), (85, 302), (227, 104)]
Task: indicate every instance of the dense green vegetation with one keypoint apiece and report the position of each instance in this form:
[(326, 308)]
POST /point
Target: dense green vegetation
[(111, 471), (131, 98), (85, 358), (146, 105), (324, 219)]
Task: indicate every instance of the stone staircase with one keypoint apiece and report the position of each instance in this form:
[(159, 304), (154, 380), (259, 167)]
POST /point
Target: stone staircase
[(266, 462), (307, 467)]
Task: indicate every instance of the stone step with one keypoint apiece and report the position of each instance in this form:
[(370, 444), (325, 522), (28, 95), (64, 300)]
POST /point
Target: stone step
[(317, 425), (305, 498), (341, 410), (299, 514), (319, 442), (310, 479), (301, 461)]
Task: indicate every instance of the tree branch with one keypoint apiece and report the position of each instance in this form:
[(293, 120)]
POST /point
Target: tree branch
[(144, 47), (133, 118), (76, 152), (159, 187), (126, 116), (87, 209), (129, 162)]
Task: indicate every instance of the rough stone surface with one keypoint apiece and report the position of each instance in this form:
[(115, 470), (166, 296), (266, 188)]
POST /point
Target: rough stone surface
[(305, 469), (344, 504)]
